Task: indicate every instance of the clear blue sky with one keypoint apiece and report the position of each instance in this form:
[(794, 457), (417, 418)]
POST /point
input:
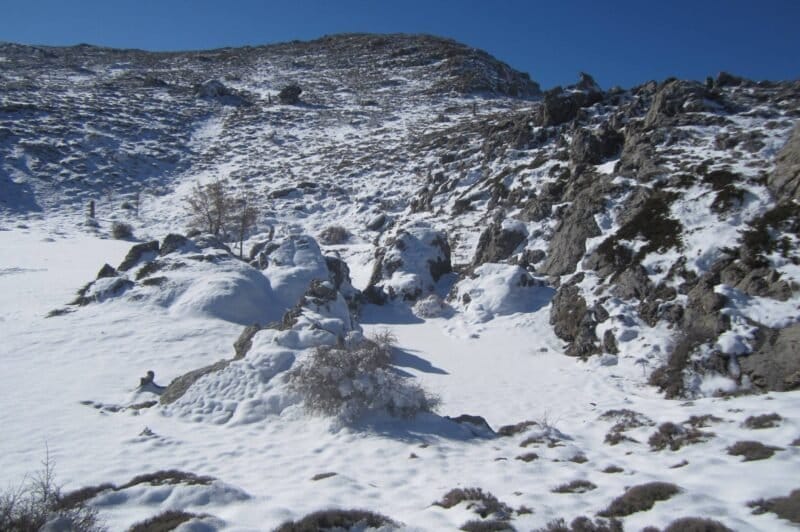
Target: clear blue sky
[(619, 42)]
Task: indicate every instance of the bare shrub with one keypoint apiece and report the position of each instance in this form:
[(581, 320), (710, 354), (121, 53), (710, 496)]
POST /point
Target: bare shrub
[(337, 520), (489, 525), (528, 457), (121, 231), (613, 469), (675, 436), (511, 430), (583, 524), (39, 500), (334, 234), (576, 486), (640, 498), (696, 524), (210, 206), (348, 381), (764, 421), (784, 507), (482, 503), (164, 522), (752, 450)]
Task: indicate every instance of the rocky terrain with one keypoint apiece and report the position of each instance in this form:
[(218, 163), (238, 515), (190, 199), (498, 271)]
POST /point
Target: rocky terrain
[(649, 235)]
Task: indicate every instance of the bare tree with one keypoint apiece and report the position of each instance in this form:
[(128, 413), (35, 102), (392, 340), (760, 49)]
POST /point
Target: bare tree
[(243, 218), (210, 206)]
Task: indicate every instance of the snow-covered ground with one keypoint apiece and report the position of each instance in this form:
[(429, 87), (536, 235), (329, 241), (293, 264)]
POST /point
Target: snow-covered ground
[(508, 370), (407, 170)]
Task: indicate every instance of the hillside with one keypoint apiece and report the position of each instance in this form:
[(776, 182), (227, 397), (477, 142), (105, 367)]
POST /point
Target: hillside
[(610, 275)]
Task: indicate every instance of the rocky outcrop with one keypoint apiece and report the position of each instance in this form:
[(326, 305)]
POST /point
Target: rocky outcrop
[(496, 244), (593, 147), (409, 264), (784, 181), (573, 321), (138, 253), (775, 365)]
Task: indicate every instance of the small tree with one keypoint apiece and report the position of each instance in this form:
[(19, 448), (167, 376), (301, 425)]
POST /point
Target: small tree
[(243, 217), (210, 206)]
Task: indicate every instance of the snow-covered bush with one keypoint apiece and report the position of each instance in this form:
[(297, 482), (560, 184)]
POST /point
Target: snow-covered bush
[(121, 230), (349, 381)]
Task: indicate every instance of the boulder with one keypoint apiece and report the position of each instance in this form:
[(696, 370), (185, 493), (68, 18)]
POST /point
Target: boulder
[(497, 243), (408, 266), (593, 147), (775, 365), (138, 253)]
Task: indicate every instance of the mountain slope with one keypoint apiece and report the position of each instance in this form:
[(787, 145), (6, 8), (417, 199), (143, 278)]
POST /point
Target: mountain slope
[(418, 185)]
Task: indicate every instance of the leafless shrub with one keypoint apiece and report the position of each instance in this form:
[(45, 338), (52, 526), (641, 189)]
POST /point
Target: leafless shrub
[(482, 503), (121, 230), (488, 525), (337, 520), (675, 436), (576, 486), (752, 450), (164, 522), (39, 500), (640, 498), (696, 524), (583, 524), (764, 421), (784, 507), (348, 381), (334, 234)]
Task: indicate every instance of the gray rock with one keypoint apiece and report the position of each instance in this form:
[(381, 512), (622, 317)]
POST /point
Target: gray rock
[(784, 181), (137, 253), (593, 147), (106, 271), (496, 244), (477, 425), (675, 98), (775, 365), (173, 242), (377, 222), (610, 343)]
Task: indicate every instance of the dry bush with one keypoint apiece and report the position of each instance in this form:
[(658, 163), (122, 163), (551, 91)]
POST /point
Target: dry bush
[(583, 524), (39, 500), (482, 503), (675, 436), (696, 524), (121, 230), (349, 381), (334, 234), (764, 421), (784, 507), (337, 520), (489, 525), (752, 450), (576, 486), (163, 522), (640, 498)]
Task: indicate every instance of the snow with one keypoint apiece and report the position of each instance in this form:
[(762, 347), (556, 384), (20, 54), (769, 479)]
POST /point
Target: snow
[(69, 382), (243, 428)]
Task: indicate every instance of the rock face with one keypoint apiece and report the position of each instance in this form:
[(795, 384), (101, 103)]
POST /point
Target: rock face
[(497, 244), (775, 366), (784, 181)]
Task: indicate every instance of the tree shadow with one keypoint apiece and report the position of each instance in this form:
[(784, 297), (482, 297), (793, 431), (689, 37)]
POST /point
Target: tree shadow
[(404, 358), (423, 428), (389, 314)]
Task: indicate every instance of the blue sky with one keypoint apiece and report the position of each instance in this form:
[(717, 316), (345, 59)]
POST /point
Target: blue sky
[(620, 42)]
